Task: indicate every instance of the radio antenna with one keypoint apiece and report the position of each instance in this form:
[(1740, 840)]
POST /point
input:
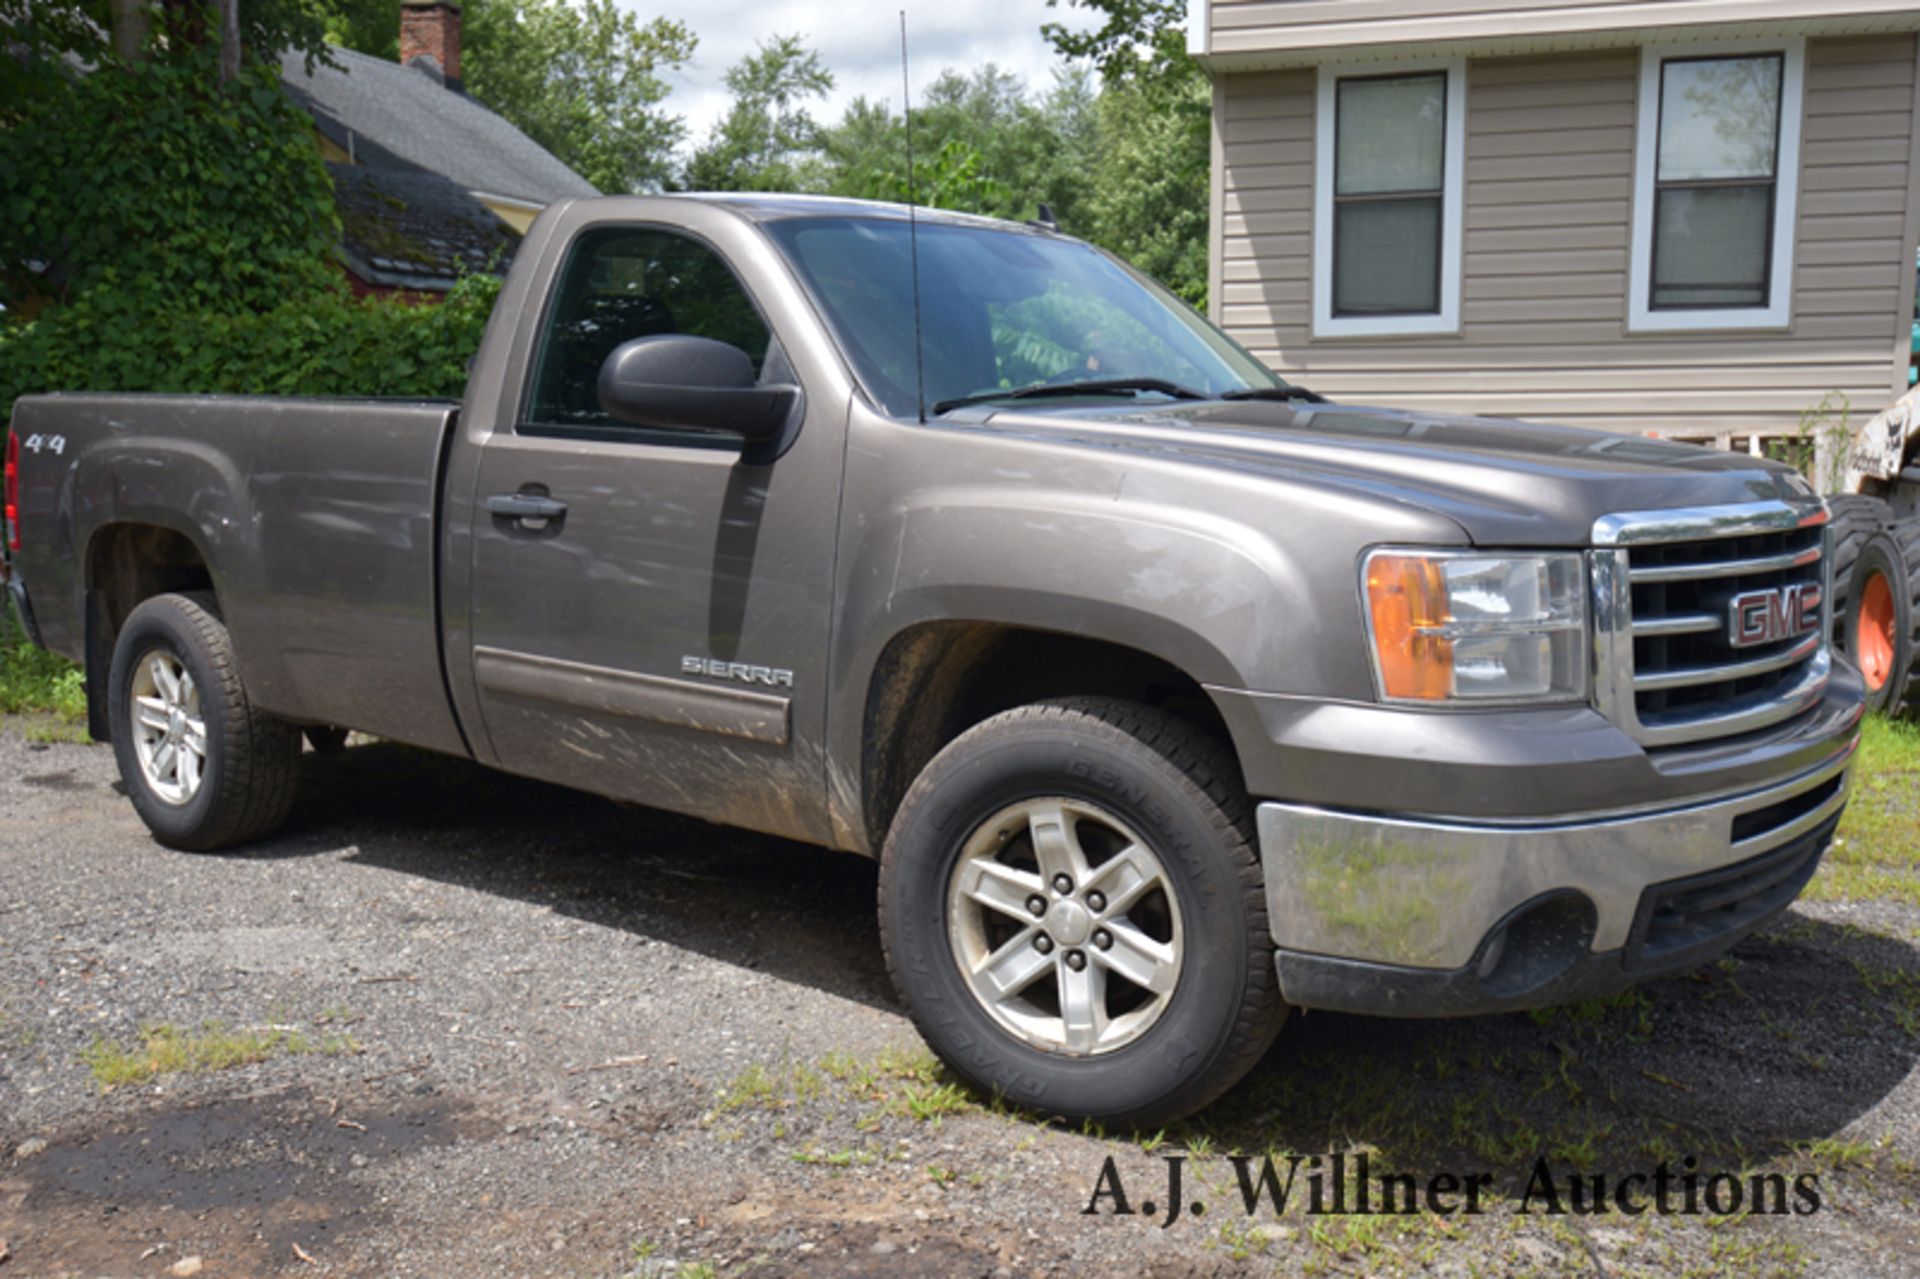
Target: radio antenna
[(913, 229)]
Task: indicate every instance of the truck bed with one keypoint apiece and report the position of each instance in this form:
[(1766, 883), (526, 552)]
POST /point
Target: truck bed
[(316, 519)]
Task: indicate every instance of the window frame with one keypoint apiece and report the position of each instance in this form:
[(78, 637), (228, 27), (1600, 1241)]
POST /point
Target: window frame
[(622, 432), (1446, 320), (1783, 225)]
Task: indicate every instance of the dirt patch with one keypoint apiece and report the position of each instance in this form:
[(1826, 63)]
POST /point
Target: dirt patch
[(239, 1181)]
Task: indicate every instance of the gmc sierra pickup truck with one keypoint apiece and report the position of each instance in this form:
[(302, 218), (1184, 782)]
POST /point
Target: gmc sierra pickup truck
[(1169, 695)]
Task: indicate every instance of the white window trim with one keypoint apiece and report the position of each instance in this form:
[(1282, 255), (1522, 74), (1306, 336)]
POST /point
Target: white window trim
[(1452, 205), (1778, 313), (1199, 19)]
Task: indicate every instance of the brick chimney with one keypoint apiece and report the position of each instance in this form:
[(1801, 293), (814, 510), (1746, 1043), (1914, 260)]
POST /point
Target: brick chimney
[(431, 28)]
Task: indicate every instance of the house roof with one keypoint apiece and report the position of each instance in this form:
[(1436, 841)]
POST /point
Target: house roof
[(389, 116), (415, 229)]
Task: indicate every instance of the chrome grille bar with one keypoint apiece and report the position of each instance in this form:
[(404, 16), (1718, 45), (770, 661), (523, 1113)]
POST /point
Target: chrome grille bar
[(1665, 666), (1726, 568), (1679, 624), (1689, 676)]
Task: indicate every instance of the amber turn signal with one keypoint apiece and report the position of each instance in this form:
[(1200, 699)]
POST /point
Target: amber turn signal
[(1408, 598)]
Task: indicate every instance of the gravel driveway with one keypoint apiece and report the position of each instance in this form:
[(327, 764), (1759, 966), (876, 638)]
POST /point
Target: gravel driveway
[(488, 1027)]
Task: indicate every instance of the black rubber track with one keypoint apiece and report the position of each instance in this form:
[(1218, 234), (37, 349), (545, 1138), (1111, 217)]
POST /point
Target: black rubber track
[(1855, 519), (1906, 694)]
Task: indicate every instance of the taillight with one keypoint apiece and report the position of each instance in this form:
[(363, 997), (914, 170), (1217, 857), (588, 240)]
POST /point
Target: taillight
[(13, 492)]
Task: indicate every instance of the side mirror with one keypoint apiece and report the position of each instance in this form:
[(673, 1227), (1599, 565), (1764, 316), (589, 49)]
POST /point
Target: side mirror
[(678, 381)]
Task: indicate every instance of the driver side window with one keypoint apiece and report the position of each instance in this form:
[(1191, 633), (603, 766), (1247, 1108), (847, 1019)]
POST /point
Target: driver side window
[(622, 283)]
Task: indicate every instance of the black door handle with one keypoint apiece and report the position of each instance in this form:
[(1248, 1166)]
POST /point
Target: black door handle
[(525, 506)]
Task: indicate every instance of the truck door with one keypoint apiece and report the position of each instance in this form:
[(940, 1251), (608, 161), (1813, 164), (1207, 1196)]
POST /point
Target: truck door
[(649, 611)]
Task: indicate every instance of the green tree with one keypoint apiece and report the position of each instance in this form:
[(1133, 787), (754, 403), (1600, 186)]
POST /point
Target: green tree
[(767, 140), (583, 78), (1140, 39), (864, 155), (149, 181), (1149, 182), (982, 144), (371, 27), (1152, 163)]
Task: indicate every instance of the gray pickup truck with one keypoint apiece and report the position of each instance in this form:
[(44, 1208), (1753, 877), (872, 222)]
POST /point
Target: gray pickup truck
[(1168, 694)]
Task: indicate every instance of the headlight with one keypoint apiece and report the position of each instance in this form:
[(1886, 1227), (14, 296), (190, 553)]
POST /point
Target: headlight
[(1459, 626)]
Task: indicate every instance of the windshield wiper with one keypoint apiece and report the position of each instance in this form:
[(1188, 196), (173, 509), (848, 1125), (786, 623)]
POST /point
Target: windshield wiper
[(1093, 386), (1300, 393)]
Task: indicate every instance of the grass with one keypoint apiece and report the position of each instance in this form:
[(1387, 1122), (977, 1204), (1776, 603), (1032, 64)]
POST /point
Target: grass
[(168, 1050), (36, 682), (1876, 855), (908, 1083)]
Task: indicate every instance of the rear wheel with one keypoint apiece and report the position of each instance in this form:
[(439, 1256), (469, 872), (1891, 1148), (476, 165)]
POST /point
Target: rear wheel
[(1072, 909), (204, 768), (1873, 599)]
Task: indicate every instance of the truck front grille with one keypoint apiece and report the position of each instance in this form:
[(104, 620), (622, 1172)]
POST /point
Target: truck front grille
[(1668, 669)]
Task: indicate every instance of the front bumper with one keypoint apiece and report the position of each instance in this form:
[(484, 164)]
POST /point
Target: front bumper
[(1419, 917)]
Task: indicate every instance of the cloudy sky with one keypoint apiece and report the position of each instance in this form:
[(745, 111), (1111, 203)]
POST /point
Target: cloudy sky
[(859, 40)]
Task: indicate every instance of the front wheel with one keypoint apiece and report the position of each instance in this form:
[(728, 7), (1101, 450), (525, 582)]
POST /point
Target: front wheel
[(204, 768), (1072, 909)]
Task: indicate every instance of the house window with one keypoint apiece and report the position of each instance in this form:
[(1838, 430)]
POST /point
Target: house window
[(1716, 181), (1387, 200)]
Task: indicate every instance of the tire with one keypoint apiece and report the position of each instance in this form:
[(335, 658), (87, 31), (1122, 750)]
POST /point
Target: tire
[(245, 773), (1853, 518), (1904, 698), (1873, 598), (1121, 776)]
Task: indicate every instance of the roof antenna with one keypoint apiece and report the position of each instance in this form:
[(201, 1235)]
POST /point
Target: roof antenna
[(913, 229)]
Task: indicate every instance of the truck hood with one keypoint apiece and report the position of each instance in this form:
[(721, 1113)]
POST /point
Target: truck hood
[(1504, 482)]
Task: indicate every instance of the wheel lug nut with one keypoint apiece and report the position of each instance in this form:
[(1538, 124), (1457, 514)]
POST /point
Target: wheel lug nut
[(1037, 904), (1102, 939), (1062, 883), (1076, 960), (1096, 901), (1043, 944)]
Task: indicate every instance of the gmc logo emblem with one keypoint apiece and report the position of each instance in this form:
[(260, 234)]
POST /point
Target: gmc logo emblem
[(1767, 617)]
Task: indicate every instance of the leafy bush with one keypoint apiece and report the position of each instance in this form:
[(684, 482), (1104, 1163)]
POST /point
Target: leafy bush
[(152, 182), (171, 233), (325, 343)]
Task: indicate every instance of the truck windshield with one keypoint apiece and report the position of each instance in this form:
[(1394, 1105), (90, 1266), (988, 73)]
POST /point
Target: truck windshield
[(1003, 310)]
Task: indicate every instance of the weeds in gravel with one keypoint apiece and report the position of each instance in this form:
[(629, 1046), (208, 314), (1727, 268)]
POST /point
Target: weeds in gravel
[(168, 1050), (1896, 989), (931, 1103), (902, 1082), (1877, 852), (1741, 1250), (1240, 1241)]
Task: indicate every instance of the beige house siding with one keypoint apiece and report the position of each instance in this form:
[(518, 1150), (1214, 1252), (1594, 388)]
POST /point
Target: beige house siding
[(1273, 28), (1548, 215)]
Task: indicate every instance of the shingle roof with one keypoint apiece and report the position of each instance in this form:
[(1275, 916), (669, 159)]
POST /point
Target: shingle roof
[(391, 116), (415, 230)]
